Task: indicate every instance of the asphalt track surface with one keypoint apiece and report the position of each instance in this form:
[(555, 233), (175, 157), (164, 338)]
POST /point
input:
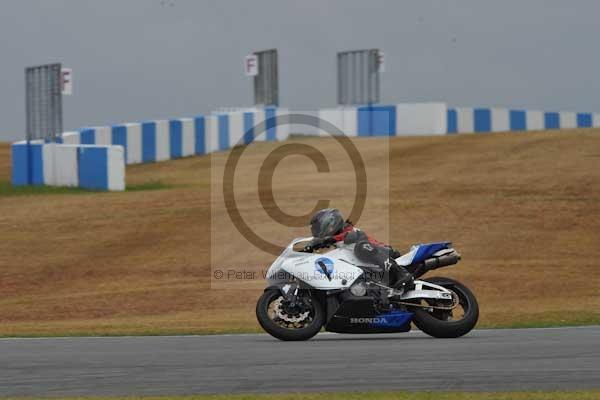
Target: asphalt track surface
[(484, 360)]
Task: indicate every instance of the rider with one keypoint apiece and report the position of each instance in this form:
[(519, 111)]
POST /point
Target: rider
[(328, 227)]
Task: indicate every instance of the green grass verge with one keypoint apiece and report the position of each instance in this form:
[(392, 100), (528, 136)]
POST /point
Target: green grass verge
[(545, 323), (7, 189), (583, 395), (133, 332), (203, 332), (152, 185)]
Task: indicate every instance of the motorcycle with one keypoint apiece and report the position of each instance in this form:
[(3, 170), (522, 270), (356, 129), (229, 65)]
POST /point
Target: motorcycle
[(315, 287)]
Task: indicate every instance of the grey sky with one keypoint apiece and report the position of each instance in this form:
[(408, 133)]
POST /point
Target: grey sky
[(149, 59)]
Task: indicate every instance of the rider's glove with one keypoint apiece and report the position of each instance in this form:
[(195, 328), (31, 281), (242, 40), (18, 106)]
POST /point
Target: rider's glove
[(318, 243)]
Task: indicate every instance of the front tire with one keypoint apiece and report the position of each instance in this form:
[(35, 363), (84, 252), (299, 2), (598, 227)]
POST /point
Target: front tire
[(440, 324), (282, 329)]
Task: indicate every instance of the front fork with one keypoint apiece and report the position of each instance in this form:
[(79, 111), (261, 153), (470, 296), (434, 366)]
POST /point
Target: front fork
[(290, 292)]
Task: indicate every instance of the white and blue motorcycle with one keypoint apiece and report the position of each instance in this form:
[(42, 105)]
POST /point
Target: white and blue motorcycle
[(313, 288)]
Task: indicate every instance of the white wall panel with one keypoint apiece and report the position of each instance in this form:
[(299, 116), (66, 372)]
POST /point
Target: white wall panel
[(163, 144), (421, 119), (116, 168), (465, 122), (134, 143), (333, 116), (70, 137), (212, 133), (282, 130), (568, 120), (49, 163), (66, 172), (350, 121), (103, 135), (236, 128), (305, 130), (259, 117), (535, 120), (500, 120), (188, 137)]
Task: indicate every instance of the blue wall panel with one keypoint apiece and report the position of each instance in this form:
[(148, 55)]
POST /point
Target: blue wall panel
[(87, 136), (452, 118), (584, 120), (551, 120), (248, 127), (176, 138), (271, 121), (199, 135), (37, 164), (27, 164), (518, 120), (383, 120), (148, 142), (376, 120), (20, 176), (482, 119), (119, 137), (93, 168), (223, 132), (363, 114)]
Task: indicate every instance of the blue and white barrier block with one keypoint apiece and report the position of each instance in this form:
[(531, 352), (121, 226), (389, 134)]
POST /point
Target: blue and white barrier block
[(421, 119), (388, 120), (87, 166), (282, 131), (486, 119), (345, 119)]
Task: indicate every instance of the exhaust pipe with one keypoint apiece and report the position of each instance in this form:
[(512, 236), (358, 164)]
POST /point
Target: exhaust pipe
[(442, 261)]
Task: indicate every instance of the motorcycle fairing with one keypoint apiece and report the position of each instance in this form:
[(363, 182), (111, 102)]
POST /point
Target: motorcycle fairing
[(358, 315), (336, 269)]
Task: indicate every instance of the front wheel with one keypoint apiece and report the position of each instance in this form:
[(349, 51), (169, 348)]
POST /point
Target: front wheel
[(285, 321), (449, 323)]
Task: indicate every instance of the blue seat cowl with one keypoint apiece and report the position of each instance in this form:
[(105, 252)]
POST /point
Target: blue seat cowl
[(426, 250)]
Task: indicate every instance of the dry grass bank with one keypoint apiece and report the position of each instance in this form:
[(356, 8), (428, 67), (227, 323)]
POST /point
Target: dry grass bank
[(524, 210)]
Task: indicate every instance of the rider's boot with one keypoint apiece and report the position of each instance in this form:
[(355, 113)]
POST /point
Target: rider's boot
[(404, 279)]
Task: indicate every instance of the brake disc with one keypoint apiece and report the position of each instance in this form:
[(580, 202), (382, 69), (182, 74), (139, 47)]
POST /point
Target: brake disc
[(287, 318)]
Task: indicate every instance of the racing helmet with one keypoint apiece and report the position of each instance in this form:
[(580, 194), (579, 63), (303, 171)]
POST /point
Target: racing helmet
[(326, 222)]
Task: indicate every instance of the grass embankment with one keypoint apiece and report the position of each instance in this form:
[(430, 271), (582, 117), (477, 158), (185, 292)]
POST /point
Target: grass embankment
[(523, 209), (587, 395), (7, 189)]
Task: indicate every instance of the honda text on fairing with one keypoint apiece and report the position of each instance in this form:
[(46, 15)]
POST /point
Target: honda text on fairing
[(310, 288)]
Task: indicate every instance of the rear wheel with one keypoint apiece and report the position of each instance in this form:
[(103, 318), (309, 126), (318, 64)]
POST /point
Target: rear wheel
[(286, 321), (449, 323)]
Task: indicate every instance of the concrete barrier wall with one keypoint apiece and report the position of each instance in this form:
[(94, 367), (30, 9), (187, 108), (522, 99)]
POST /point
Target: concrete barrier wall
[(388, 120), (95, 167), (153, 141), (89, 157), (490, 119)]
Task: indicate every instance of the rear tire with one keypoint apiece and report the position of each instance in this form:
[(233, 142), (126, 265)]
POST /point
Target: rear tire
[(438, 328), (280, 332)]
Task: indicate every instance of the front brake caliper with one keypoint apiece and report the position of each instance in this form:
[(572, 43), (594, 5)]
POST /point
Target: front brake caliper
[(290, 292)]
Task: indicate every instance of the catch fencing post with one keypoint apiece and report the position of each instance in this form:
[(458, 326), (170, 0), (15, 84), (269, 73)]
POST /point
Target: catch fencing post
[(43, 107)]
